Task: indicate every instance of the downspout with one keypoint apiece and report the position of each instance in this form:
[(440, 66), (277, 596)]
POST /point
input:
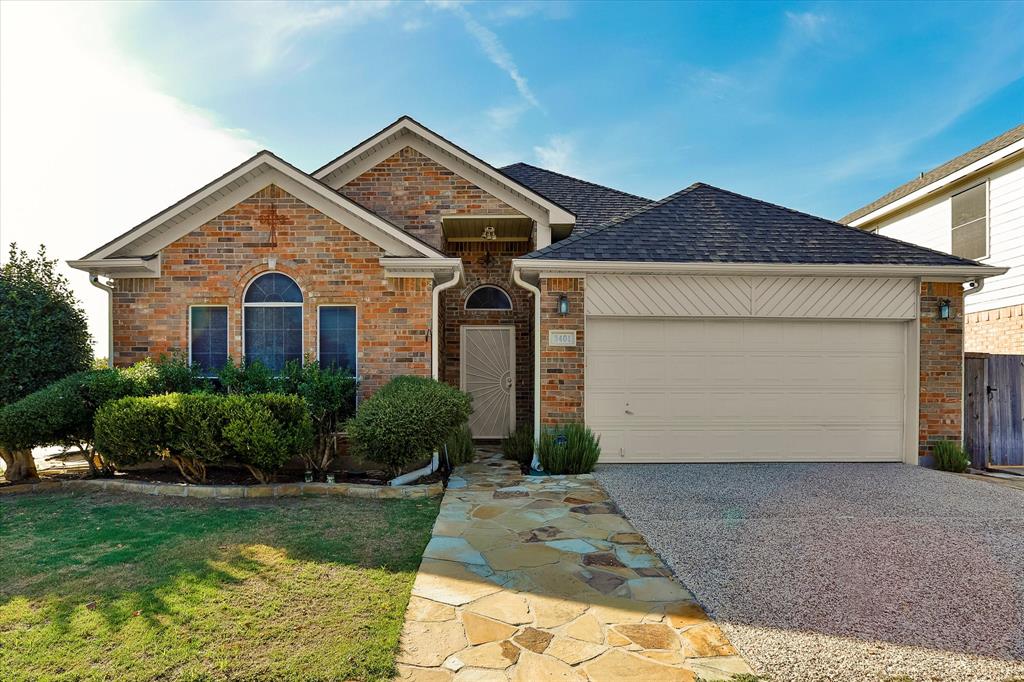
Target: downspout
[(517, 278), (976, 286), (435, 373), (95, 281)]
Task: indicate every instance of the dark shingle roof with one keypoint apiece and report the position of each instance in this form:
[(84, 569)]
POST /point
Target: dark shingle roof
[(705, 224), (948, 168), (593, 204)]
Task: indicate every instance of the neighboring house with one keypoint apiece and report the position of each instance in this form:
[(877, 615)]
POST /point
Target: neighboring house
[(972, 206), (707, 326)]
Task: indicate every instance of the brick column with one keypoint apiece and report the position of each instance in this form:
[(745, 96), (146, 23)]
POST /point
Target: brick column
[(561, 367), (942, 365)]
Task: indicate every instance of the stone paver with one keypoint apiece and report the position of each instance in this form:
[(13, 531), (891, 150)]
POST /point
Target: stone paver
[(542, 578)]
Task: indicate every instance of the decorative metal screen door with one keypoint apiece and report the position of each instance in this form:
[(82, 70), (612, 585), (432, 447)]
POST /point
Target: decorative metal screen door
[(488, 372)]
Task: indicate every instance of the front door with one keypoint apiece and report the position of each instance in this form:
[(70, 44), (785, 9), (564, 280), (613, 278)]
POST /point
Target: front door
[(488, 374)]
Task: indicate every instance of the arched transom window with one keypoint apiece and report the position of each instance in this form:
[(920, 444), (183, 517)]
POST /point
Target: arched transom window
[(488, 297), (272, 324)]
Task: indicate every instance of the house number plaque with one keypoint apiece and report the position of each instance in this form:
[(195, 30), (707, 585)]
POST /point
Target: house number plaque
[(561, 337)]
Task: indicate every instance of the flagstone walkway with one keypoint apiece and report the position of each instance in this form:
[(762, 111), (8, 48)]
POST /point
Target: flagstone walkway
[(528, 579)]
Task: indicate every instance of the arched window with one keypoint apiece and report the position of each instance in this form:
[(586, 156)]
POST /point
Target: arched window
[(488, 297), (272, 324)]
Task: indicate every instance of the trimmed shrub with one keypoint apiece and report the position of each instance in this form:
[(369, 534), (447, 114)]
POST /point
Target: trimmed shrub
[(330, 396), (460, 446), (194, 431), (406, 421), (248, 378), (949, 456), (518, 445), (573, 449), (135, 430)]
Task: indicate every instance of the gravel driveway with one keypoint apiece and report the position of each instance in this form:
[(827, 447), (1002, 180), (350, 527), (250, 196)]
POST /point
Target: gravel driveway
[(843, 571)]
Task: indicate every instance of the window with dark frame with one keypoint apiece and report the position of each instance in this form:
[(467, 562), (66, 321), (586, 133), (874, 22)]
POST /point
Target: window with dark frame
[(208, 338), (970, 222), (488, 297), (272, 321), (337, 325)]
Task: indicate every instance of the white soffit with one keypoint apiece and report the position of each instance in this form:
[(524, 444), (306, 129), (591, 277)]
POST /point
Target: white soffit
[(406, 132), (241, 183)]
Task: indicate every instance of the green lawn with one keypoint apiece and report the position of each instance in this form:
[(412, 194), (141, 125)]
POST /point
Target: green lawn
[(95, 587)]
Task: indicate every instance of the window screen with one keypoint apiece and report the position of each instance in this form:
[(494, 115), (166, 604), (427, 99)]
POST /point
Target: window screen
[(488, 298), (208, 337), (970, 223), (272, 319), (338, 337)]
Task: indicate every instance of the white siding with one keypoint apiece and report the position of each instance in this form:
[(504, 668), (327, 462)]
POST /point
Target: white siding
[(793, 297), (928, 224)]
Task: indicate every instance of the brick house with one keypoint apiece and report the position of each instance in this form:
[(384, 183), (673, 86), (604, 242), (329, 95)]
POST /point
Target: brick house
[(706, 326)]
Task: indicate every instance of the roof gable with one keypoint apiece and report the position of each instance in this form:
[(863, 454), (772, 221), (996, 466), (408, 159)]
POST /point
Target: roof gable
[(406, 132), (1012, 141), (238, 184), (705, 224), (593, 204)]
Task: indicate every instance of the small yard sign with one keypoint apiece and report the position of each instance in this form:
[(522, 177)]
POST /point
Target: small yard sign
[(561, 337)]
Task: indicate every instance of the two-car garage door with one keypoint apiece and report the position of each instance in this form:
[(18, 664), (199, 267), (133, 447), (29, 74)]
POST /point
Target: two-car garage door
[(716, 390)]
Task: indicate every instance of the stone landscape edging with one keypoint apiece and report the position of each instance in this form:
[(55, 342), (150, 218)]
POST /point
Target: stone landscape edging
[(232, 492)]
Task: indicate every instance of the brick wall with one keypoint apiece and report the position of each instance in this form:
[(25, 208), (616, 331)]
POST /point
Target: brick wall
[(941, 391), (998, 331), (414, 192), (561, 368), (331, 264), (490, 263)]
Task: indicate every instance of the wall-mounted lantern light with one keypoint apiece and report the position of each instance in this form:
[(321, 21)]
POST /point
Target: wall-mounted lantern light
[(944, 309), (563, 305)]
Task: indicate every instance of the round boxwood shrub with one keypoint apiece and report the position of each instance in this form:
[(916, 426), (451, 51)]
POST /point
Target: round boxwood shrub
[(263, 431), (406, 421)]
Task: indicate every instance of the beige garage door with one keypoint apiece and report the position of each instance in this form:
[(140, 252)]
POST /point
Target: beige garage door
[(688, 390)]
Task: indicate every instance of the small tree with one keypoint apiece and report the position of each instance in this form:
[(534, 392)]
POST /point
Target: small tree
[(44, 336), (330, 396)]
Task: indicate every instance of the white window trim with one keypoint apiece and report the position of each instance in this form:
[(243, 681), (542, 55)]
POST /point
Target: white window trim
[(227, 329), (511, 306), (301, 305), (988, 218), (355, 370)]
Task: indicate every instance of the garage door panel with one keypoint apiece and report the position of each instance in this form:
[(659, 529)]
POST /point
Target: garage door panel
[(747, 390)]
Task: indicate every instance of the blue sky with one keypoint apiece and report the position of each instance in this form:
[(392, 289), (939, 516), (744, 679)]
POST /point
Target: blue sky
[(819, 106)]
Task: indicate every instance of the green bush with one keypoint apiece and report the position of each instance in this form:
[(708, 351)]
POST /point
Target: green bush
[(135, 430), (261, 432), (62, 413), (460, 446), (949, 456), (248, 378), (573, 449), (518, 445), (330, 396), (406, 421)]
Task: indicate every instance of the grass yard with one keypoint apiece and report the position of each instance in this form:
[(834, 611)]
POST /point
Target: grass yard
[(95, 587)]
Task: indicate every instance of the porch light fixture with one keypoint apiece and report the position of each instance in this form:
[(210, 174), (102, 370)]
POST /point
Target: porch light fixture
[(563, 305), (944, 309), (489, 234)]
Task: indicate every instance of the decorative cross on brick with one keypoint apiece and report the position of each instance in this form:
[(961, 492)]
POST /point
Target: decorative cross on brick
[(271, 218)]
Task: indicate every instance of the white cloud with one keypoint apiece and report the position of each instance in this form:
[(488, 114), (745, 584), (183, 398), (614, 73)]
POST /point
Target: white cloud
[(492, 47), (413, 25), (808, 24), (270, 29), (90, 146), (557, 154), (503, 118)]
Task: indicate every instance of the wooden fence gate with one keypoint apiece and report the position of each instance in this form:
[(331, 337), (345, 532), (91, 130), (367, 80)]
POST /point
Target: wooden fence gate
[(993, 419)]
